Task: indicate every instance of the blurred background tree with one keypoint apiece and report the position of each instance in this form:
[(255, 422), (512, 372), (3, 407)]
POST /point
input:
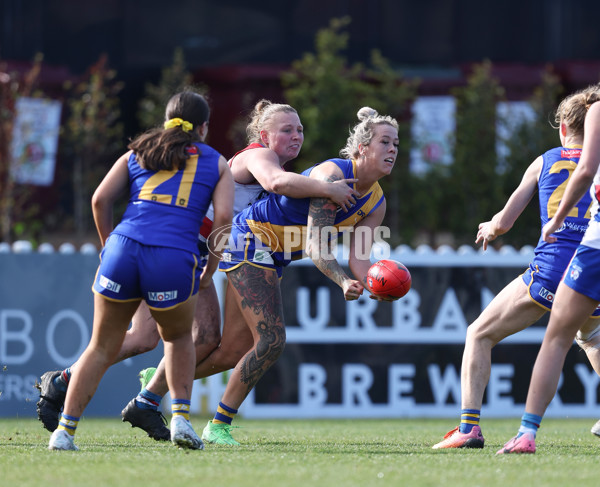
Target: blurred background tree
[(472, 190), (173, 78), (328, 93), (444, 205), (92, 140), (19, 213), (528, 140)]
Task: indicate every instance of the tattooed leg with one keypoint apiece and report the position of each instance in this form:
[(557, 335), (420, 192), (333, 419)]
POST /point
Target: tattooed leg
[(258, 297)]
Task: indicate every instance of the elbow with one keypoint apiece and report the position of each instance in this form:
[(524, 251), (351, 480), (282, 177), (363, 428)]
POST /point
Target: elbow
[(588, 173), (223, 213), (312, 251), (318, 253), (275, 185), (222, 218), (97, 202)]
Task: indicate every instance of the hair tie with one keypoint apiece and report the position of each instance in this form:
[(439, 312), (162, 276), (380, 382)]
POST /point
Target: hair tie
[(176, 122)]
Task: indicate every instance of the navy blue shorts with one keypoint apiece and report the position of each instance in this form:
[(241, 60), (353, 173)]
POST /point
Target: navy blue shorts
[(246, 248), (162, 276), (542, 285)]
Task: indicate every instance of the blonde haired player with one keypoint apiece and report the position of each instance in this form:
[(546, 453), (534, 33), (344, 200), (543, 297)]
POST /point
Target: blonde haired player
[(275, 137), (578, 294), (254, 309), (528, 297)]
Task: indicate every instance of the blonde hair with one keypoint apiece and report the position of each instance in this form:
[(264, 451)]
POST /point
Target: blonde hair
[(363, 131), (261, 116), (573, 109)]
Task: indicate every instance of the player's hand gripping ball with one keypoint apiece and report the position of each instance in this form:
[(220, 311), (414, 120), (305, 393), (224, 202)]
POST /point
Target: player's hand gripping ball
[(389, 279)]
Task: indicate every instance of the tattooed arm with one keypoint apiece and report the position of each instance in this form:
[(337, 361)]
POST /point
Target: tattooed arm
[(321, 217), (361, 244)]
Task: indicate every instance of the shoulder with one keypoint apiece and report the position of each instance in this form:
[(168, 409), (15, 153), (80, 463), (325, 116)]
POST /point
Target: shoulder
[(253, 155), (128, 160), (593, 113), (331, 168)]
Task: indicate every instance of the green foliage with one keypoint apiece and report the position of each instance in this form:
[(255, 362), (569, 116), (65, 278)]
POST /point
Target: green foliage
[(92, 137), (389, 93), (448, 200), (529, 140), (328, 92), (19, 214), (174, 78), (472, 191)]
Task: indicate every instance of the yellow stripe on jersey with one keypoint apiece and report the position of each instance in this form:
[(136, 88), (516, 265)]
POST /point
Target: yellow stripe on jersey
[(292, 238)]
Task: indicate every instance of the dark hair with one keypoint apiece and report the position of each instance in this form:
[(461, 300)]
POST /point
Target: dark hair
[(165, 148)]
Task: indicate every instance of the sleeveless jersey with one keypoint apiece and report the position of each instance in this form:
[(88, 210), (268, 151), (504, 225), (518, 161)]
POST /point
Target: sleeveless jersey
[(280, 222), (244, 196), (166, 208), (558, 165)]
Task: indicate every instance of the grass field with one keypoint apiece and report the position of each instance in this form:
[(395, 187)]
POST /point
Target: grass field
[(300, 453)]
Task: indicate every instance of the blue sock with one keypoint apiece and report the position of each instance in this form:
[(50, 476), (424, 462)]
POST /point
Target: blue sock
[(529, 424), (61, 381), (148, 400), (181, 407), (468, 419), (224, 414)]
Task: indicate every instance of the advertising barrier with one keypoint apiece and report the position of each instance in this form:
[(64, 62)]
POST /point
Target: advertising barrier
[(356, 359)]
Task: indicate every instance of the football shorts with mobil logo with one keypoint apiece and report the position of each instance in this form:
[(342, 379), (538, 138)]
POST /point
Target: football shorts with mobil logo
[(583, 273), (542, 285), (246, 248), (164, 277)]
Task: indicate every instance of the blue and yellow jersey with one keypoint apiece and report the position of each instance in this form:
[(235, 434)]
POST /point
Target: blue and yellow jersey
[(559, 163), (166, 208), (279, 222)]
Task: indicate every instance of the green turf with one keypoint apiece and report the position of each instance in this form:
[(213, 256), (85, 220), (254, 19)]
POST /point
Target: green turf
[(300, 453)]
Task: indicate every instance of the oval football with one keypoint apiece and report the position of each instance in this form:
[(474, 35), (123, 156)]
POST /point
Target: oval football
[(389, 278)]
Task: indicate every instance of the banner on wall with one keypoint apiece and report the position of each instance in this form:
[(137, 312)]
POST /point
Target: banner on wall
[(35, 140), (432, 132), (356, 359)]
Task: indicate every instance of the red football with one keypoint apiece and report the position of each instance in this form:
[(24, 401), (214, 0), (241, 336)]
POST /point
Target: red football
[(389, 279)]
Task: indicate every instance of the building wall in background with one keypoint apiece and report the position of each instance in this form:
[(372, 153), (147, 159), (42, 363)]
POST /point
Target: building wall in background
[(353, 359)]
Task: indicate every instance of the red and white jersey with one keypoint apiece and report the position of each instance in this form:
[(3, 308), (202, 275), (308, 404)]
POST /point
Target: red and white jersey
[(245, 195)]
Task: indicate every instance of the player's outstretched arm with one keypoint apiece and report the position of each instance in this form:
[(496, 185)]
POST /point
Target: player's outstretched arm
[(264, 166), (503, 221)]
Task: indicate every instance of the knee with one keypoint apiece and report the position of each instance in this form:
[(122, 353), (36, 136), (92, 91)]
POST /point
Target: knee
[(142, 342), (231, 358), (478, 334), (271, 345), (588, 340), (207, 338), (474, 333)]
